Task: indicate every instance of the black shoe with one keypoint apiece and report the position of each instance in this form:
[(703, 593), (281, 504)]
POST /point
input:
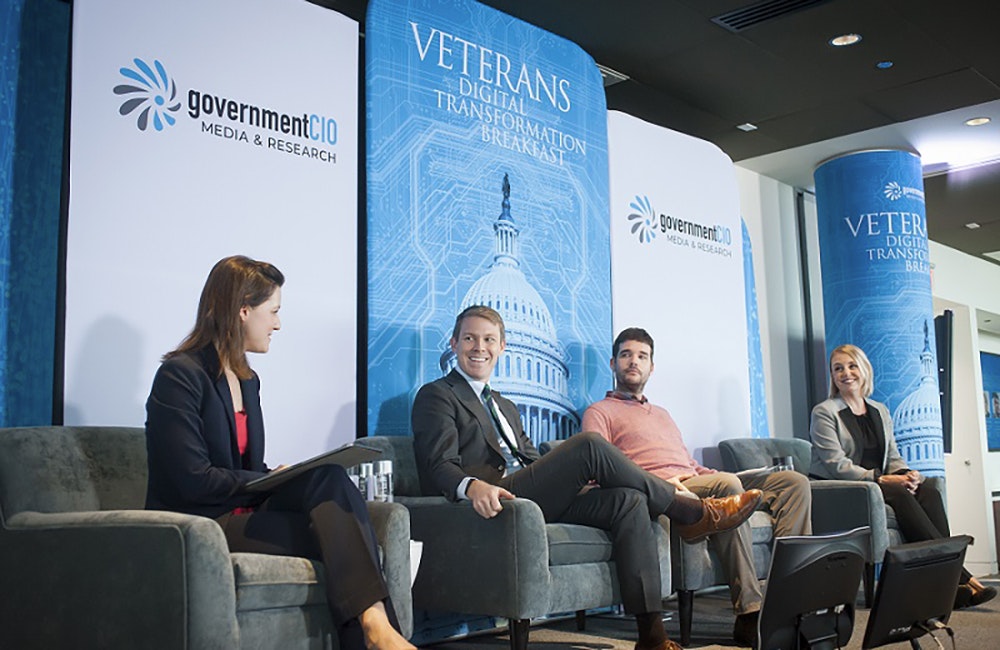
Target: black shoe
[(966, 596), (745, 630), (980, 596), (983, 595), (963, 597)]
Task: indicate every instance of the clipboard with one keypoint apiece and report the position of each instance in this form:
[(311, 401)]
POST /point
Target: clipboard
[(347, 456)]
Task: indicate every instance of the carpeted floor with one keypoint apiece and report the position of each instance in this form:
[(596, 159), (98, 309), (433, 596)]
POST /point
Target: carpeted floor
[(975, 629)]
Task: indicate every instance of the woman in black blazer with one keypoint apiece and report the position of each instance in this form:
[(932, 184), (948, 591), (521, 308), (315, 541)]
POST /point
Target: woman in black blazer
[(205, 441), (852, 439)]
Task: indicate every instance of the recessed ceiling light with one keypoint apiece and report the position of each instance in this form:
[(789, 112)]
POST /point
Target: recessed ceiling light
[(747, 127), (972, 225), (845, 39), (884, 65), (977, 121)]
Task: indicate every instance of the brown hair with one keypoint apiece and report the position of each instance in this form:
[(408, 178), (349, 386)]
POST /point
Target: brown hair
[(632, 334), (481, 311), (234, 282), (859, 357)]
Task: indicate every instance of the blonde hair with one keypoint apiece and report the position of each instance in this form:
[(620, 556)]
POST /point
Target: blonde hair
[(479, 311), (859, 357)]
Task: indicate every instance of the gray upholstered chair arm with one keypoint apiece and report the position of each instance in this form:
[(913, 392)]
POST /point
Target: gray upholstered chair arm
[(842, 505), (144, 570), (392, 529), (508, 555)]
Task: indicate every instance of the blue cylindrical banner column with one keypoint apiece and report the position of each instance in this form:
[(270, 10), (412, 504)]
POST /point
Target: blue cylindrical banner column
[(877, 288)]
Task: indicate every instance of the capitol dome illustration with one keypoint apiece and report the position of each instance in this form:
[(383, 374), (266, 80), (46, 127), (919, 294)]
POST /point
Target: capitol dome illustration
[(532, 372), (917, 420)]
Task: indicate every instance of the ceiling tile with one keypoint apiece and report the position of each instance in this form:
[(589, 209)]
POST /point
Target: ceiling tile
[(934, 95)]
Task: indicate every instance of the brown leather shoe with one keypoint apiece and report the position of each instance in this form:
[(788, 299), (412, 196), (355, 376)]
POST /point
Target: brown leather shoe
[(667, 644), (721, 515)]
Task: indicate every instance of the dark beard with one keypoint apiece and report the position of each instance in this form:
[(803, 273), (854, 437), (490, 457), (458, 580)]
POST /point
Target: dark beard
[(625, 386)]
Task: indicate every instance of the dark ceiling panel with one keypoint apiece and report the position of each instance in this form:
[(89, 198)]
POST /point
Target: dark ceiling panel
[(972, 242), (659, 108), (933, 95), (968, 28), (735, 79), (885, 36), (965, 195), (805, 127), (739, 145), (764, 11)]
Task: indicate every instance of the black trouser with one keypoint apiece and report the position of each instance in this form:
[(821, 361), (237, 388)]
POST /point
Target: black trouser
[(626, 502), (921, 516), (320, 515)]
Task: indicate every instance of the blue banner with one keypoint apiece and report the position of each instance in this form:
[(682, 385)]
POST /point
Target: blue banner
[(990, 364), (759, 427), (487, 184), (877, 289), (34, 44)]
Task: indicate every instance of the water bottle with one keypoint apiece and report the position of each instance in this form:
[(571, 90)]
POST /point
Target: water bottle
[(383, 481), (782, 464), (366, 481), (352, 473)]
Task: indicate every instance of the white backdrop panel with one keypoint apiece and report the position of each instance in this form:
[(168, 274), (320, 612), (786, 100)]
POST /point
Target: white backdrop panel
[(677, 271), (151, 211)]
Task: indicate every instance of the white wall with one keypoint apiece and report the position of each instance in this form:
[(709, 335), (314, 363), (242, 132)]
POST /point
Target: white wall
[(768, 208), (965, 280), (970, 508)]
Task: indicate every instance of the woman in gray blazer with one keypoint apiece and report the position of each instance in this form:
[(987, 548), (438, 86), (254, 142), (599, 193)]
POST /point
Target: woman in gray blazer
[(852, 440)]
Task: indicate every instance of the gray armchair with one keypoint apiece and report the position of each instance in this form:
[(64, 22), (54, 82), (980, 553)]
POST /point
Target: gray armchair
[(84, 566), (534, 568), (837, 505)]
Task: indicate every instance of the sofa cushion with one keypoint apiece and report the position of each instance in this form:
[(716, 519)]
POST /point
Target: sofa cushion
[(740, 454), (269, 581), (575, 544), (44, 470), (761, 528)]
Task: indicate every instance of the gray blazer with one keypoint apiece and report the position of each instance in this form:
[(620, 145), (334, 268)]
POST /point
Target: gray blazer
[(834, 454)]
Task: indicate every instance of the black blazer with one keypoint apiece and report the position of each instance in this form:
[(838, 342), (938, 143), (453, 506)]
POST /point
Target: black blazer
[(194, 462), (454, 437)]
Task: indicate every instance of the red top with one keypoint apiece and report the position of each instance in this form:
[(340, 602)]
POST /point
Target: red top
[(241, 431), (241, 444)]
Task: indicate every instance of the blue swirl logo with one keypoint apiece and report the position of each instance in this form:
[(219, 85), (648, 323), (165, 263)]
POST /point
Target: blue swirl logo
[(643, 219), (152, 93), (893, 191)]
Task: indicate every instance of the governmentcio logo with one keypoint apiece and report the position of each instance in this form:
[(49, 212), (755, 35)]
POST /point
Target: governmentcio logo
[(154, 95), (643, 219), (153, 92), (646, 224), (894, 191)]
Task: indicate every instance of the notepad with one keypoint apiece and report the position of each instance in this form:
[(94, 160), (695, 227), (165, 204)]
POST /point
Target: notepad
[(755, 472), (347, 456)]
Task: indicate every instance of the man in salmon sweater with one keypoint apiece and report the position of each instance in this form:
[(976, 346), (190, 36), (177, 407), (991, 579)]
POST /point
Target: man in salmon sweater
[(650, 437)]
